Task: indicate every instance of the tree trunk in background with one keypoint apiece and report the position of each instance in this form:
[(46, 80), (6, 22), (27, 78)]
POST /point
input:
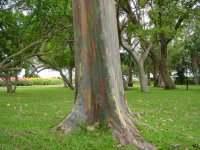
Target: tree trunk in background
[(156, 61), (130, 75), (164, 70), (195, 70), (11, 88), (161, 66), (66, 82), (155, 75), (160, 82), (142, 78), (125, 84), (70, 70), (148, 77), (100, 95), (196, 78), (9, 85)]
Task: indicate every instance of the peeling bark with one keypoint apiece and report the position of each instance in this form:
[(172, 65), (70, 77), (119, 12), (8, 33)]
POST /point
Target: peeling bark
[(100, 93)]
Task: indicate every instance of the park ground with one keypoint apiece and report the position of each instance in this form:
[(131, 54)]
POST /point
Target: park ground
[(27, 116)]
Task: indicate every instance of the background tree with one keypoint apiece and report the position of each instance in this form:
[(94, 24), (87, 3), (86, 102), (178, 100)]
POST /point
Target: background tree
[(26, 26), (192, 46), (138, 50), (169, 18), (161, 21), (127, 67)]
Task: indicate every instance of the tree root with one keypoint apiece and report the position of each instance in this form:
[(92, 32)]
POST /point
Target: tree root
[(130, 135), (136, 121)]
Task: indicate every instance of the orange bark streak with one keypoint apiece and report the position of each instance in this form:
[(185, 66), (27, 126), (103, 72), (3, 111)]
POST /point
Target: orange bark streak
[(86, 99), (92, 45), (102, 87), (84, 21)]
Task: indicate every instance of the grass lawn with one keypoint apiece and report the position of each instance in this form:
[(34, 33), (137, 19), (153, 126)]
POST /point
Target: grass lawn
[(27, 116)]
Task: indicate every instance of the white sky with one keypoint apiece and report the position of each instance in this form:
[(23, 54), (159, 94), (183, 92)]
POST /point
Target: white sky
[(44, 74)]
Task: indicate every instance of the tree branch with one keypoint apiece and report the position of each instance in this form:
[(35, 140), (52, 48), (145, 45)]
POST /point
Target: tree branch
[(21, 51)]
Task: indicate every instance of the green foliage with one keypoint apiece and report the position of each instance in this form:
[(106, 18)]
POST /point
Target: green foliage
[(24, 83), (50, 81), (192, 43), (27, 116), (36, 81), (1, 83)]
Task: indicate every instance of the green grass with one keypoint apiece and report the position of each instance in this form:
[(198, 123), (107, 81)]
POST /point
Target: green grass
[(27, 116)]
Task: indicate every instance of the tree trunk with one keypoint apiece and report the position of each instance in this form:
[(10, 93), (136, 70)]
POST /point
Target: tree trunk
[(125, 84), (130, 75), (155, 75), (196, 78), (100, 90), (156, 61), (160, 62), (195, 70), (70, 75), (164, 67), (142, 78), (9, 85), (148, 77), (65, 80), (160, 82)]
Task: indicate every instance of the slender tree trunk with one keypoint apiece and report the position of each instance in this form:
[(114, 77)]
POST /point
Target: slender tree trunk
[(65, 80), (100, 95), (164, 67), (148, 78), (70, 75), (130, 75), (125, 84), (142, 78), (155, 75)]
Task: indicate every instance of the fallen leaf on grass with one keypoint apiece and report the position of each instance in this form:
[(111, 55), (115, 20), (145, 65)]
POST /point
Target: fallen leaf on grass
[(90, 128), (175, 145), (119, 146)]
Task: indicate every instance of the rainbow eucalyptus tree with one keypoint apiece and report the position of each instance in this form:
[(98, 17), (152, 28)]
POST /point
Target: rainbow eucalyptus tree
[(100, 95)]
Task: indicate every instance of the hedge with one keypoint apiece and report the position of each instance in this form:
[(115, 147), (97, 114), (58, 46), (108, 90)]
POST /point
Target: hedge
[(36, 81)]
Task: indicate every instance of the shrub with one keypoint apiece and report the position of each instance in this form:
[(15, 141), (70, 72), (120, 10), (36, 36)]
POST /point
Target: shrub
[(190, 81), (36, 81), (24, 82), (2, 83), (46, 81)]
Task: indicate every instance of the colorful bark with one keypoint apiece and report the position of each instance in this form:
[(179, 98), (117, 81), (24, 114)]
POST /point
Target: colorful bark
[(100, 94)]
